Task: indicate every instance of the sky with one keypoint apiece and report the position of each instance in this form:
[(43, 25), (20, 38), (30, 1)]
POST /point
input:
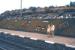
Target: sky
[(15, 4)]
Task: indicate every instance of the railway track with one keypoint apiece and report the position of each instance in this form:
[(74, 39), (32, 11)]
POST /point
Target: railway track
[(10, 45), (9, 42), (15, 46)]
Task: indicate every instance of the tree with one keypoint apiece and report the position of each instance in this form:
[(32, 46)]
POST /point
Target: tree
[(72, 4), (33, 9)]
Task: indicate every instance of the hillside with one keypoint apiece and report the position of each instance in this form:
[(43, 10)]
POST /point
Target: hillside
[(38, 13), (36, 20)]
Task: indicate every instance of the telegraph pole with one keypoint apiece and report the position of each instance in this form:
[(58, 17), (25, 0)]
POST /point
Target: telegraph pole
[(21, 7), (21, 4)]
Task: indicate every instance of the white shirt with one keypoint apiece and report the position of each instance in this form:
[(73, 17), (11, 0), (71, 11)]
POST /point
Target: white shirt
[(50, 28)]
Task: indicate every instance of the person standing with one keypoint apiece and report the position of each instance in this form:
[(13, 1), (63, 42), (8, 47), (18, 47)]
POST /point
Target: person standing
[(50, 30)]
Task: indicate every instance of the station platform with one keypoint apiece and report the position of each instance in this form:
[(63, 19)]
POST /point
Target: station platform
[(68, 41)]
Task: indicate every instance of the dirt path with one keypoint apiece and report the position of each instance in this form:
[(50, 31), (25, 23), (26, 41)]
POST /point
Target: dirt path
[(57, 39)]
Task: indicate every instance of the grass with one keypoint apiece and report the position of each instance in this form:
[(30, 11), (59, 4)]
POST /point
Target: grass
[(67, 30)]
